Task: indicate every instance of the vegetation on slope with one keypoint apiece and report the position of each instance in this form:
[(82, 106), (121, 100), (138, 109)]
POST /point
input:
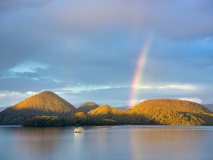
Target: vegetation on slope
[(77, 119), (48, 109), (46, 101), (171, 112), (43, 104), (108, 112), (81, 118), (46, 121), (86, 107)]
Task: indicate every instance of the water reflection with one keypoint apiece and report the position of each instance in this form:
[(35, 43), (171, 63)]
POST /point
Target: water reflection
[(169, 143), (114, 142), (29, 143), (37, 141), (101, 143)]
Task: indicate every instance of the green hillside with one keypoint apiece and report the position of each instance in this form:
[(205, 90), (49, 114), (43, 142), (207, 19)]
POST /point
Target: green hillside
[(170, 112), (43, 104), (158, 112), (77, 119), (86, 107), (46, 121), (108, 112), (48, 109), (80, 118)]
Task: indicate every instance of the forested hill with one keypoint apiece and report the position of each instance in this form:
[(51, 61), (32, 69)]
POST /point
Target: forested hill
[(172, 112), (52, 110), (43, 104), (86, 107)]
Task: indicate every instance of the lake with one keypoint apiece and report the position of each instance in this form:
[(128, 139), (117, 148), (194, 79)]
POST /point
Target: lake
[(107, 143)]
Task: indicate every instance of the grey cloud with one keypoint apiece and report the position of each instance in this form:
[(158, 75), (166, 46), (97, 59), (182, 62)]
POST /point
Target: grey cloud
[(98, 42), (11, 5), (174, 19)]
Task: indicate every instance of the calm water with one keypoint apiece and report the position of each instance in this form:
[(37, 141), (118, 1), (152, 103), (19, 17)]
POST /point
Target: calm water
[(107, 143)]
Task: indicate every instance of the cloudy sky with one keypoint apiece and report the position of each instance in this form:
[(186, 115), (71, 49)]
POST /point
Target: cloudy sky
[(87, 50)]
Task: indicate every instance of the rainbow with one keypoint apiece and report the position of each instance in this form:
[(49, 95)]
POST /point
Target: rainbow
[(138, 74)]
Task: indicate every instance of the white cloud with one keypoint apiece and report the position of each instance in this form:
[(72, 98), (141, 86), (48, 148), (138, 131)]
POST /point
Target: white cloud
[(31, 93), (77, 88), (135, 101), (143, 86), (9, 76), (27, 67), (2, 95), (179, 86), (193, 99), (11, 98), (80, 88)]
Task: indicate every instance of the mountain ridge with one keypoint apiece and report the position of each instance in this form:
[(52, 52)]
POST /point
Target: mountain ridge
[(154, 111)]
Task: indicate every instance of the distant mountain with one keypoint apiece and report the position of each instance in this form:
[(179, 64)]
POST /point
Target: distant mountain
[(123, 108), (108, 112), (43, 104), (209, 106), (105, 111), (86, 107)]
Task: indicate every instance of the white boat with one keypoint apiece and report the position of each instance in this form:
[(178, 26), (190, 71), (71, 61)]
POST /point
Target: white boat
[(79, 130)]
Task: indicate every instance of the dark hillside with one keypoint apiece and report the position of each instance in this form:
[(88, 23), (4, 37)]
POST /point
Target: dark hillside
[(86, 107)]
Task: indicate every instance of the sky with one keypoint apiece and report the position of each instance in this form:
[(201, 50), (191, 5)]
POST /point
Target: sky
[(88, 50)]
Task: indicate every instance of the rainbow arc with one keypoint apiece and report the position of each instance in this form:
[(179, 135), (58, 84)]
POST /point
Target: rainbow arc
[(139, 71)]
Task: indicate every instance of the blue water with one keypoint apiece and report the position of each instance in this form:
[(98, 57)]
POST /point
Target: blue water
[(107, 143)]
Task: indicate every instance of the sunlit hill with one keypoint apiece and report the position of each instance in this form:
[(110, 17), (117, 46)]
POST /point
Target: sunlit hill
[(43, 104), (48, 109)]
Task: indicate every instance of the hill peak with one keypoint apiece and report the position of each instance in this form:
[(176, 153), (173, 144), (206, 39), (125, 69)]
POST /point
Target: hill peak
[(46, 103), (47, 92), (104, 109), (86, 107), (87, 104), (45, 100)]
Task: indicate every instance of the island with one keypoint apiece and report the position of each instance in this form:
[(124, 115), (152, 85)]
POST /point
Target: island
[(47, 109)]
